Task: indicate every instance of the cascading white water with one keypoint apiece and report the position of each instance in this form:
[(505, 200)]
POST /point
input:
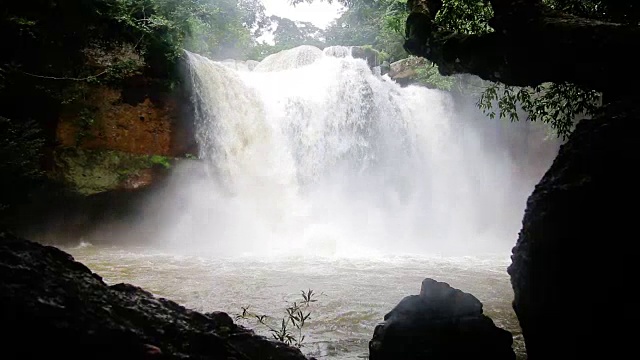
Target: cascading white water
[(311, 152)]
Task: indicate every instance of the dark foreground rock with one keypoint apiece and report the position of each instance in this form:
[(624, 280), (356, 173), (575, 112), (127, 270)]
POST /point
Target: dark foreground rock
[(52, 307), (573, 262), (440, 323)]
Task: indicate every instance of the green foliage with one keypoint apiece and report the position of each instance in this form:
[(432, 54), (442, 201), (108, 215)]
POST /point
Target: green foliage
[(558, 105), (381, 22), (261, 50), (217, 29), (21, 146), (377, 23), (626, 12), (464, 16), (62, 42), (430, 76), (60, 49), (160, 160), (85, 120), (288, 329), (287, 34), (92, 171)]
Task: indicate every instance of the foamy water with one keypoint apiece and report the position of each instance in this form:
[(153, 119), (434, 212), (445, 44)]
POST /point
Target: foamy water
[(356, 292)]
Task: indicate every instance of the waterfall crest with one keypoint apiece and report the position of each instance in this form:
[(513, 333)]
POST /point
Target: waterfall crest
[(290, 59)]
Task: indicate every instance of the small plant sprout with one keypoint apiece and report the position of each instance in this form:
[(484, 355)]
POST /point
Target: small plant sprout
[(290, 329), (308, 297)]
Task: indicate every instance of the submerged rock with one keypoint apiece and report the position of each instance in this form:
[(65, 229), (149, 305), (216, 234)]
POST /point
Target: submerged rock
[(440, 323), (54, 307), (571, 265)]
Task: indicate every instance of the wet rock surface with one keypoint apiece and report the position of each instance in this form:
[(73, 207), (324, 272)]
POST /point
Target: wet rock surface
[(135, 119), (54, 307), (370, 55), (570, 260), (406, 71), (440, 323)]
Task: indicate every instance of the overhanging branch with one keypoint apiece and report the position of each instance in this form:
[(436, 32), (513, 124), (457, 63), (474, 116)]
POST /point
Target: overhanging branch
[(530, 45)]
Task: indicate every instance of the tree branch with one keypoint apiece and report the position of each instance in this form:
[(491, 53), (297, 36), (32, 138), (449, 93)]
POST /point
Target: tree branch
[(64, 78), (530, 45)]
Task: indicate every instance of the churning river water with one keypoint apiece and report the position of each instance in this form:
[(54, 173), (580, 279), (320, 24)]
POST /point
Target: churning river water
[(354, 292)]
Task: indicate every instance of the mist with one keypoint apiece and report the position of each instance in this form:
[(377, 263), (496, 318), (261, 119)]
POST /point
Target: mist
[(311, 154)]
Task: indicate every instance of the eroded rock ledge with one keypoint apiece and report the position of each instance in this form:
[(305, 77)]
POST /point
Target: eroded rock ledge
[(54, 307)]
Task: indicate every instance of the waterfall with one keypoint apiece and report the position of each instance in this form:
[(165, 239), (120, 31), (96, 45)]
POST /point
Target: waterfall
[(311, 152)]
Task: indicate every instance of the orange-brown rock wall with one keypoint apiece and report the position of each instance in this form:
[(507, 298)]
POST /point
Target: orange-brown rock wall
[(156, 125)]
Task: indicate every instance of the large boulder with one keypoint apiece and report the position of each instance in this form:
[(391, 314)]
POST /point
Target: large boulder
[(53, 307), (572, 263), (406, 71), (368, 54), (440, 323)]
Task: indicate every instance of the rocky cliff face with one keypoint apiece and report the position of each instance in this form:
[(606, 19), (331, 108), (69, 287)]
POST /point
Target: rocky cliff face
[(109, 122), (572, 255), (113, 136), (54, 307), (113, 145)]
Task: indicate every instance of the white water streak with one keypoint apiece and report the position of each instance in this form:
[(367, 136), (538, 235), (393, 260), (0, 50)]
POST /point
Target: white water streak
[(313, 152)]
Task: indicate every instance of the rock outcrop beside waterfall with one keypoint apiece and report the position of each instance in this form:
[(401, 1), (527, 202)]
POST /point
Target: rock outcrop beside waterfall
[(106, 142), (406, 71), (54, 307), (368, 54), (572, 258), (440, 323), (112, 142)]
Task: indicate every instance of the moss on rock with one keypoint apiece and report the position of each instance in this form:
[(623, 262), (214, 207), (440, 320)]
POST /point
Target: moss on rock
[(372, 56), (93, 171)]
